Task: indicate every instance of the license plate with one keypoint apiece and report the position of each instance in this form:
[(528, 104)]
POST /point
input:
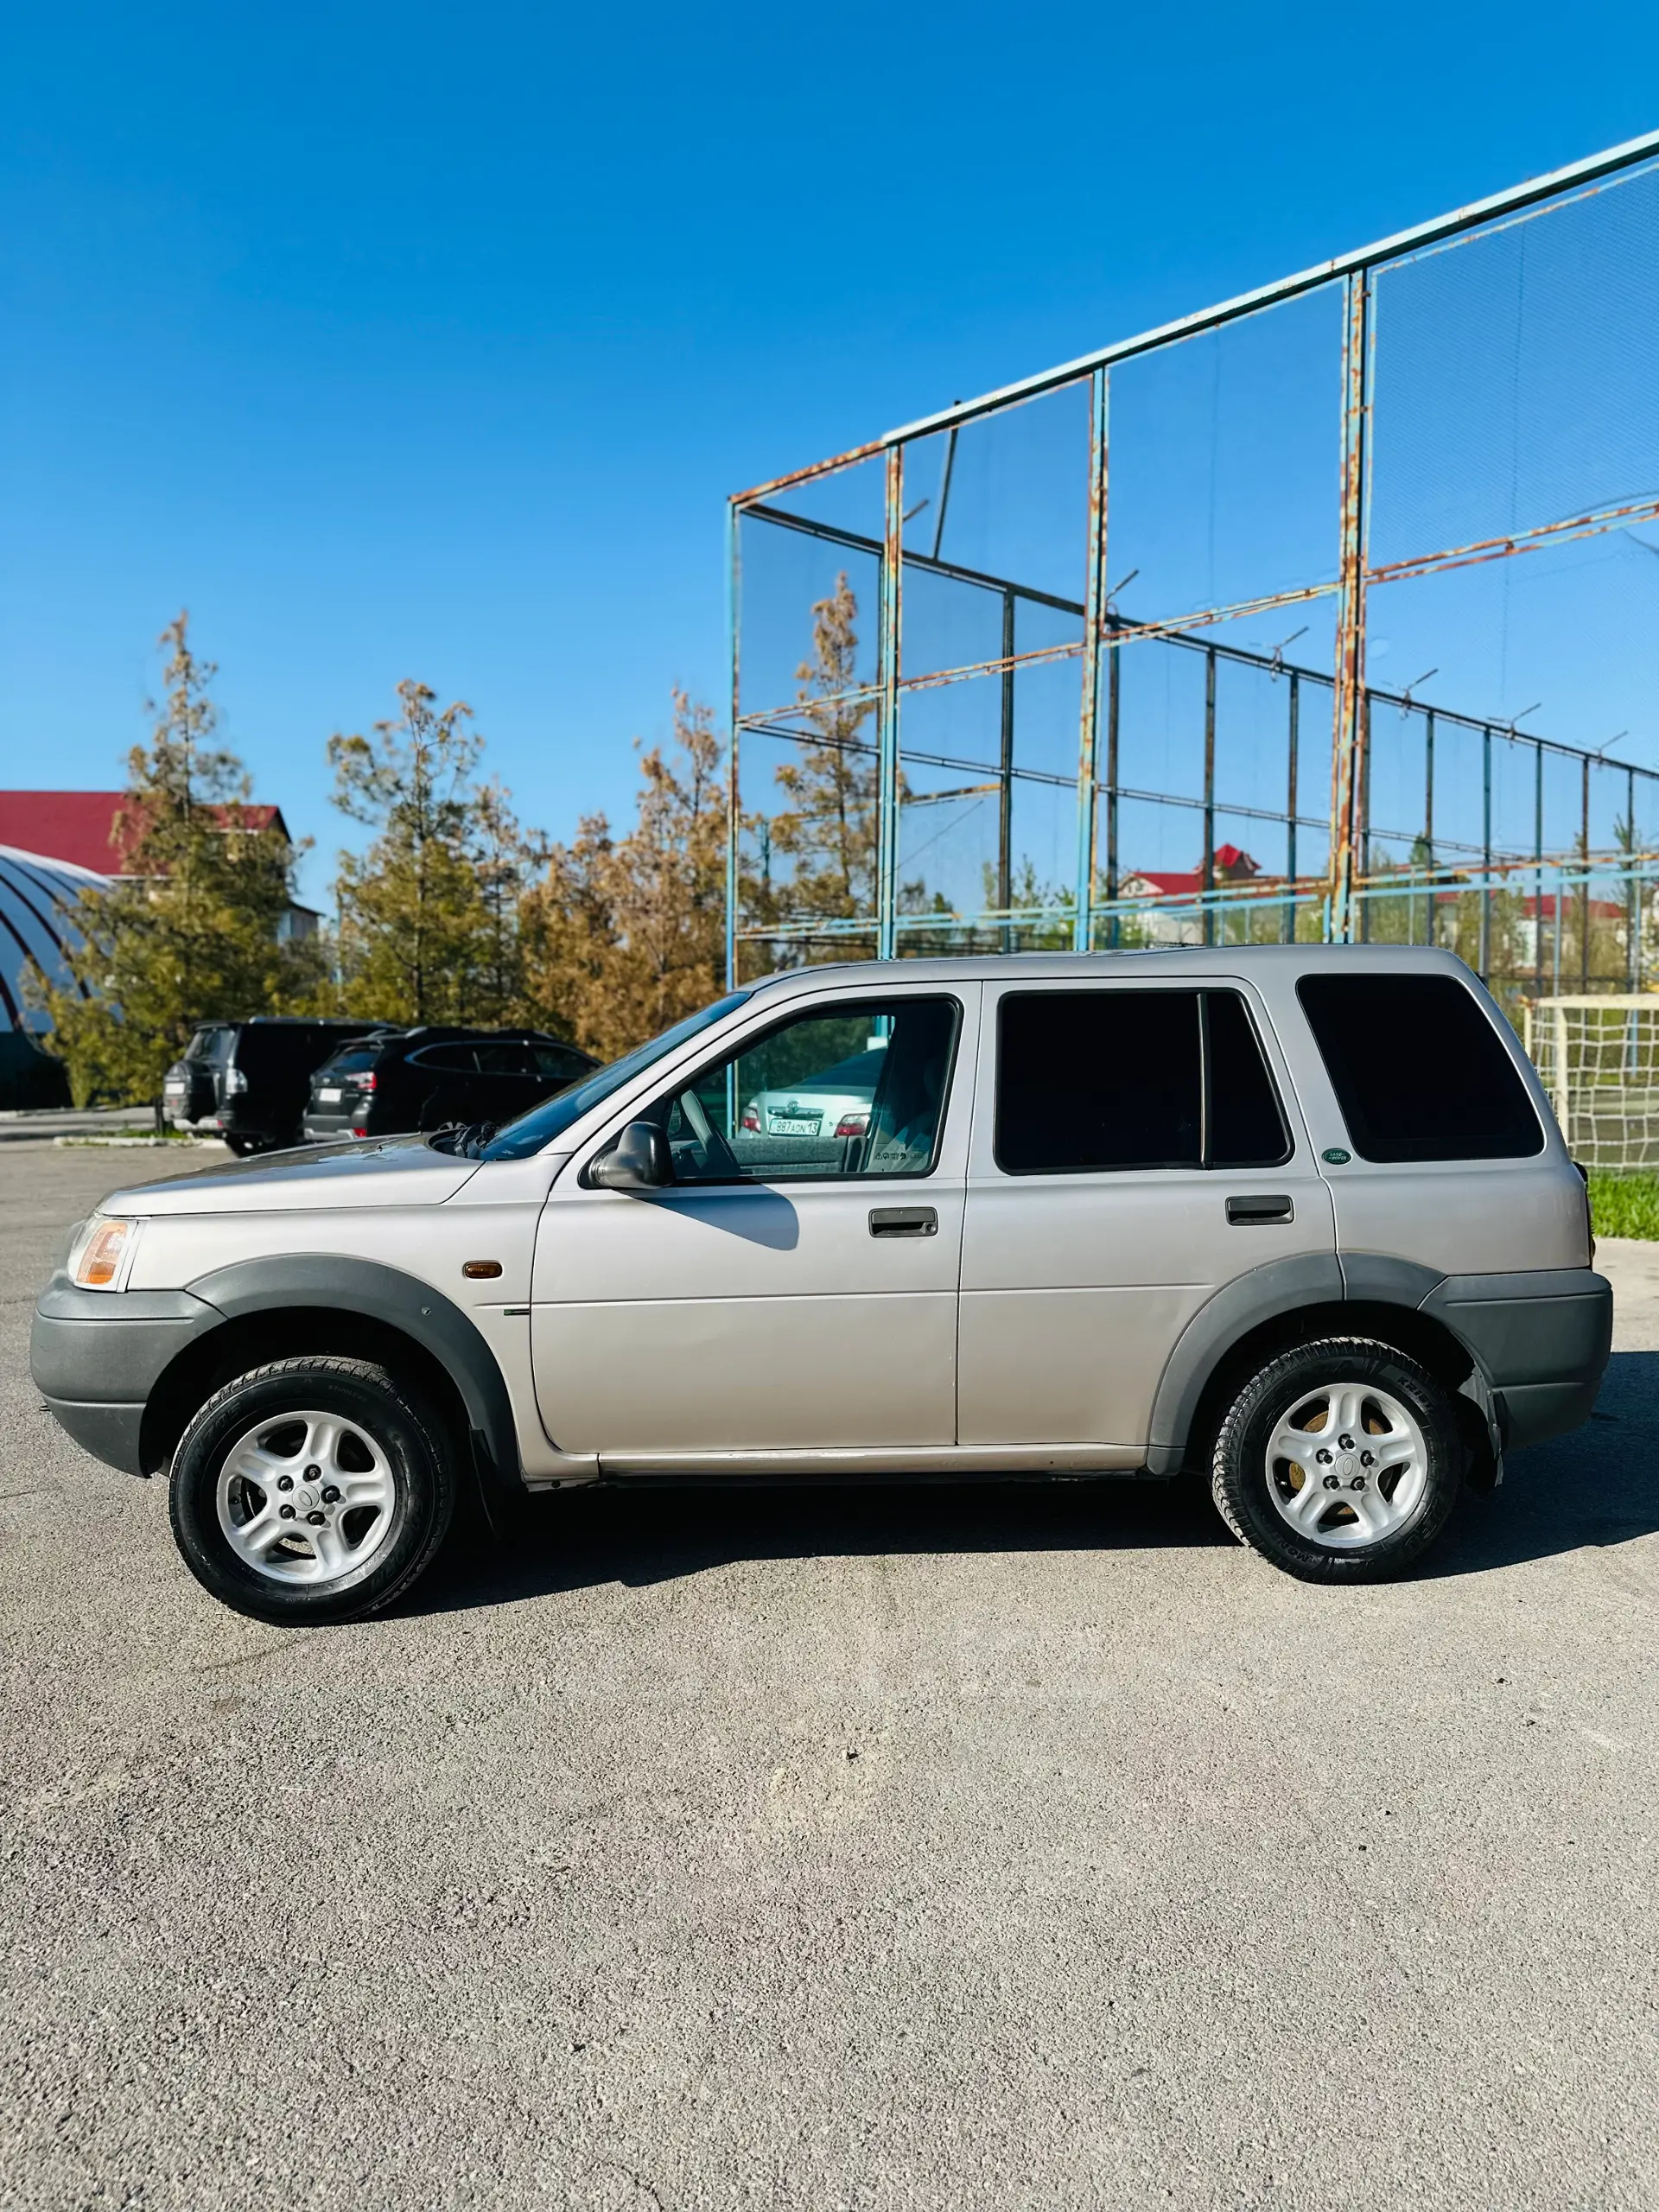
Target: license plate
[(328, 1098), (785, 1125)]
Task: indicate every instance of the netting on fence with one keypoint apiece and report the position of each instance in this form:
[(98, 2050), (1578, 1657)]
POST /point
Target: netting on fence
[(1599, 1060)]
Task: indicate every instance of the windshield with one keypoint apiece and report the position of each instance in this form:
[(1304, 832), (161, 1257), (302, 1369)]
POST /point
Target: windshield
[(537, 1129)]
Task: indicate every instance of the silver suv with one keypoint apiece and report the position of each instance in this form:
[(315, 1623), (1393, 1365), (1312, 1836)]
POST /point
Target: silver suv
[(1296, 1219)]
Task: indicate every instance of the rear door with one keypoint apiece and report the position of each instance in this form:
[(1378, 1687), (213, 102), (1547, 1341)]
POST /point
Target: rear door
[(507, 1084), (1135, 1148)]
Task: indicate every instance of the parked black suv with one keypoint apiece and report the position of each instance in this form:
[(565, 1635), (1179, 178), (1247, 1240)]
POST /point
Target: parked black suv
[(246, 1081), (393, 1082)]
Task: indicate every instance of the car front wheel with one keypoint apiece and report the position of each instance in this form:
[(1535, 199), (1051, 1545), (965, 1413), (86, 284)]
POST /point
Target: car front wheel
[(1340, 1461), (311, 1490)]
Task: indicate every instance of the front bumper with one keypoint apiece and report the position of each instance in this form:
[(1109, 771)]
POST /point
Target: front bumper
[(95, 1357)]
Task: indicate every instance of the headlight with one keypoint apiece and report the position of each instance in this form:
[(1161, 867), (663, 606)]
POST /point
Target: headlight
[(104, 1260)]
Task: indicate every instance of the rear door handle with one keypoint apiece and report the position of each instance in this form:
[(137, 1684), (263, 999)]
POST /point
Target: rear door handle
[(1264, 1206), (904, 1221)]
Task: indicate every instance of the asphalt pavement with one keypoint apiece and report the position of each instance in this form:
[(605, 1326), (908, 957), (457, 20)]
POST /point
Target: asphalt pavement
[(1017, 1847)]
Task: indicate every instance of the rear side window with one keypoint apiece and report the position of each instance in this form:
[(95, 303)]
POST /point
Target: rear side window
[(1090, 1081), (1419, 1071), (452, 1059), (562, 1066)]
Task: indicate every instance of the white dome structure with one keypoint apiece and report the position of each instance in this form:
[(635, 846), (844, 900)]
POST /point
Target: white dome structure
[(39, 898)]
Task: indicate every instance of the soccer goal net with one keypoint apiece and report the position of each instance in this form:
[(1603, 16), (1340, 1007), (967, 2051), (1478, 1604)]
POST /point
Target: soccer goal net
[(1599, 1061)]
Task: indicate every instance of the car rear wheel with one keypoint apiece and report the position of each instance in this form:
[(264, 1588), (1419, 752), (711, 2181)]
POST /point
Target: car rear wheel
[(1340, 1461), (311, 1490)]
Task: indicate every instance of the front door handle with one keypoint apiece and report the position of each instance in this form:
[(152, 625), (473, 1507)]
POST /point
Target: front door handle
[(1265, 1206), (904, 1221)]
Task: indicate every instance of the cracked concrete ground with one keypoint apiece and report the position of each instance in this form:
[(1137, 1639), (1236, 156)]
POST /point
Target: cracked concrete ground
[(1004, 1848)]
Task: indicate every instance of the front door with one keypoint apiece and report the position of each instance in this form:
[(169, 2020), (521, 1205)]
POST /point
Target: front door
[(1133, 1153), (794, 1289)]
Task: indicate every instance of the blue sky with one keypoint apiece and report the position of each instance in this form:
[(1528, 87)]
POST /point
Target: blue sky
[(402, 341)]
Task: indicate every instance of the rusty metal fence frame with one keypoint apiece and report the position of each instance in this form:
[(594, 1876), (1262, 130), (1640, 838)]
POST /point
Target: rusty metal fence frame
[(1343, 891)]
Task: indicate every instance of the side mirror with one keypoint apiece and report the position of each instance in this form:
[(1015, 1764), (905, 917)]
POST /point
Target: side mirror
[(639, 1160)]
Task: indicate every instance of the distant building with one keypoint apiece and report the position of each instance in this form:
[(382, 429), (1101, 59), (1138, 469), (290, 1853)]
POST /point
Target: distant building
[(53, 846), (1170, 925), (38, 901), (78, 828)]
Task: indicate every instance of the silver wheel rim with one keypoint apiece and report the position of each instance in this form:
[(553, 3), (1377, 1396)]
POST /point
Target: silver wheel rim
[(1347, 1466), (306, 1499)]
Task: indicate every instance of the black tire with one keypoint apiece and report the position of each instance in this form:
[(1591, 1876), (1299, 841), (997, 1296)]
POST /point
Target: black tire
[(1244, 1484), (415, 1465)]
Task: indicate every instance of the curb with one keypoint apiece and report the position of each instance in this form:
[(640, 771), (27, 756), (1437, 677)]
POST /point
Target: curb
[(158, 1144)]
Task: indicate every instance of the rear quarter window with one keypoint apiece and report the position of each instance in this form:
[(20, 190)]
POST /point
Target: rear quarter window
[(447, 1060), (1419, 1070)]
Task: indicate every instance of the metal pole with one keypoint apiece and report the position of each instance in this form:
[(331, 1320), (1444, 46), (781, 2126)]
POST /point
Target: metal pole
[(886, 802), (1486, 853), (1364, 917), (734, 585), (1207, 874), (1632, 898), (1348, 735), (1428, 821), (1538, 871), (1288, 926), (1584, 888), (1005, 781), (1093, 622), (1112, 694)]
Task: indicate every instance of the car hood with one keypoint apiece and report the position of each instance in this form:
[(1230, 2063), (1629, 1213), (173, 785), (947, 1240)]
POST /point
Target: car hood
[(398, 1172)]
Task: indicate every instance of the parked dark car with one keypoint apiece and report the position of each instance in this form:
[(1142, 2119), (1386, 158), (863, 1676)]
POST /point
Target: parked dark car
[(427, 1077), (248, 1081)]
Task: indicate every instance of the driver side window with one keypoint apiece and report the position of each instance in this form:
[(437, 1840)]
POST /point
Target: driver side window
[(855, 1088)]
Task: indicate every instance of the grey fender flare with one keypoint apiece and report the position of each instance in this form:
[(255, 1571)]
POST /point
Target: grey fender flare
[(1387, 1282), (336, 1282), (1283, 1286), (1277, 1287)]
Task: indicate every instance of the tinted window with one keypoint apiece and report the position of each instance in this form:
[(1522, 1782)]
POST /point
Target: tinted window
[(558, 1064), (1097, 1079), (555, 1115), (353, 1063), (1090, 1081), (503, 1060), (211, 1044), (1243, 1126), (449, 1059), (1418, 1068), (855, 1088)]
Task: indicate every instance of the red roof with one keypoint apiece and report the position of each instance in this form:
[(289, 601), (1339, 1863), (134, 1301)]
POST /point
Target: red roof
[(1231, 866), (77, 826)]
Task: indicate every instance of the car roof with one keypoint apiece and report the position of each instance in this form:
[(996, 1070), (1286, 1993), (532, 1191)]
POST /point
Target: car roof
[(1174, 961)]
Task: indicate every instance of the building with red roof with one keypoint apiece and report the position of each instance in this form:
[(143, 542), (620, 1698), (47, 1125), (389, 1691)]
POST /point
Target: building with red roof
[(80, 830)]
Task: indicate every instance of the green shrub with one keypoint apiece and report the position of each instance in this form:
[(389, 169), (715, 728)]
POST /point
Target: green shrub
[(1624, 1205)]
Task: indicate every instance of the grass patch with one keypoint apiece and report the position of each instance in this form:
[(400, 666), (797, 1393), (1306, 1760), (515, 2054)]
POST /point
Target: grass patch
[(1625, 1206)]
